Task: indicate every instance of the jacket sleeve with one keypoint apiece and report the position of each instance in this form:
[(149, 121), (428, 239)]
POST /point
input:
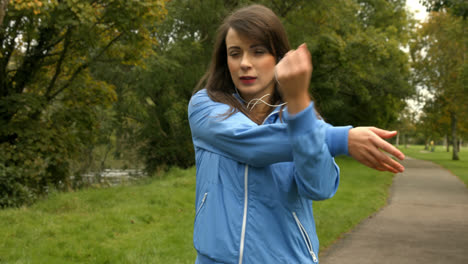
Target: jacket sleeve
[(316, 173), (236, 137), (239, 138)]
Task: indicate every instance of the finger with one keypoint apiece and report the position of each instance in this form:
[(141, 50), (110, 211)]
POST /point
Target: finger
[(371, 161), (288, 53), (385, 159), (383, 133), (389, 162), (305, 52), (390, 168), (303, 58), (389, 148), (285, 61), (303, 48)]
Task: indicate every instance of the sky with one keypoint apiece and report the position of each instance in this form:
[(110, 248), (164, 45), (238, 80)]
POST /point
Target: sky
[(417, 8)]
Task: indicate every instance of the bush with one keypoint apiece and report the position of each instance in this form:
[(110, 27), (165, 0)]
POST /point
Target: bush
[(13, 190)]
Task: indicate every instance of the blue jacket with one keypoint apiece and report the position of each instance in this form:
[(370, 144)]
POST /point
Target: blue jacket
[(255, 183)]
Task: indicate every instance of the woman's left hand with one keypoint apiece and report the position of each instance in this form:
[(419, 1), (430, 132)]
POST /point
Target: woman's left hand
[(367, 145)]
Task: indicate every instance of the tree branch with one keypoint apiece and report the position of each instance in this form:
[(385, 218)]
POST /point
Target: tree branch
[(31, 61), (82, 67), (5, 60)]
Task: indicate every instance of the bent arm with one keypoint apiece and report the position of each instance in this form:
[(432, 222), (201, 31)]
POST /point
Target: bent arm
[(239, 138), (236, 137), (316, 173)]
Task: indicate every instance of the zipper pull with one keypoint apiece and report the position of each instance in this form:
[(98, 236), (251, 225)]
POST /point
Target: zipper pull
[(201, 204), (314, 257)]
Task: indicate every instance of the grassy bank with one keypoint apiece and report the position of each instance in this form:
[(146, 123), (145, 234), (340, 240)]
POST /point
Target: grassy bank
[(443, 158), (152, 222)]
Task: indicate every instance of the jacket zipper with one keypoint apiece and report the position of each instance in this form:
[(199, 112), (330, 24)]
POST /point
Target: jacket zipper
[(244, 220), (246, 197), (305, 236), (201, 204)]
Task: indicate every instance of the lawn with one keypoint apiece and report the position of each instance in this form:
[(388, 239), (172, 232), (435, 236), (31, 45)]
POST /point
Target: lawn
[(151, 222), (443, 158)]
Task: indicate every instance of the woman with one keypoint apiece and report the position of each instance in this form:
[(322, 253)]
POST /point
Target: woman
[(262, 153)]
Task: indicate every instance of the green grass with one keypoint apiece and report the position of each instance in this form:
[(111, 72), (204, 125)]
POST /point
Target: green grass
[(152, 222), (146, 223), (443, 158)]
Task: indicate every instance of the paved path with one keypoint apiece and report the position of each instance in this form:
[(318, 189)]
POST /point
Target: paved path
[(425, 221)]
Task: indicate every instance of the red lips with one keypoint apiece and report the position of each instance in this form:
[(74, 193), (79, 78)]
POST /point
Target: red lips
[(247, 79)]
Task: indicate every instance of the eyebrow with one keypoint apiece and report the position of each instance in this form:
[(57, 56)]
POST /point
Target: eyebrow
[(251, 46)]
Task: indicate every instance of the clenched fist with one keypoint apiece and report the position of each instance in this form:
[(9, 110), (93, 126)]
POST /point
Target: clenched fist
[(293, 74)]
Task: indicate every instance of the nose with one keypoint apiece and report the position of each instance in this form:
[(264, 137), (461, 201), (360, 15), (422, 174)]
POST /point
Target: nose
[(245, 62)]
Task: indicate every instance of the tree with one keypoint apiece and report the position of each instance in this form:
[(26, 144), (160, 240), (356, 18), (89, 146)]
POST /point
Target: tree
[(359, 68), (406, 126), (49, 98), (151, 111), (439, 53), (457, 7), (434, 122)]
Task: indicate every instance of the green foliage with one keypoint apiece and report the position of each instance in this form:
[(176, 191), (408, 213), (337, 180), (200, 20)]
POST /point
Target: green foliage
[(457, 7), (13, 188), (151, 111), (81, 80), (165, 127), (406, 128), (49, 99), (359, 68), (438, 53)]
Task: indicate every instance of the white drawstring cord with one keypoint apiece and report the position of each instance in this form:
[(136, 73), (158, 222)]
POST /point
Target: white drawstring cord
[(240, 97), (257, 100), (261, 100)]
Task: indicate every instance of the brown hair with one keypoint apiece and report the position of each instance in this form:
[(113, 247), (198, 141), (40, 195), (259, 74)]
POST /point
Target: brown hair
[(262, 25)]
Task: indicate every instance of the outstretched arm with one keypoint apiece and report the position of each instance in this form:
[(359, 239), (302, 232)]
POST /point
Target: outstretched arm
[(365, 144)]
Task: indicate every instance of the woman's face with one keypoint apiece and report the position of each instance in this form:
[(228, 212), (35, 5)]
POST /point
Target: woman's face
[(251, 66)]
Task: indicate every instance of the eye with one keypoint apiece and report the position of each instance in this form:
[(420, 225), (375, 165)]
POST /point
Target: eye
[(234, 53), (260, 51)]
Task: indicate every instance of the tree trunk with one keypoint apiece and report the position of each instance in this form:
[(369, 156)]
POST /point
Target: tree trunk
[(398, 139), (447, 141), (453, 119), (3, 7)]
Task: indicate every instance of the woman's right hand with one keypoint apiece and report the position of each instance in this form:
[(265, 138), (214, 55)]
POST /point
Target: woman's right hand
[(293, 74)]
